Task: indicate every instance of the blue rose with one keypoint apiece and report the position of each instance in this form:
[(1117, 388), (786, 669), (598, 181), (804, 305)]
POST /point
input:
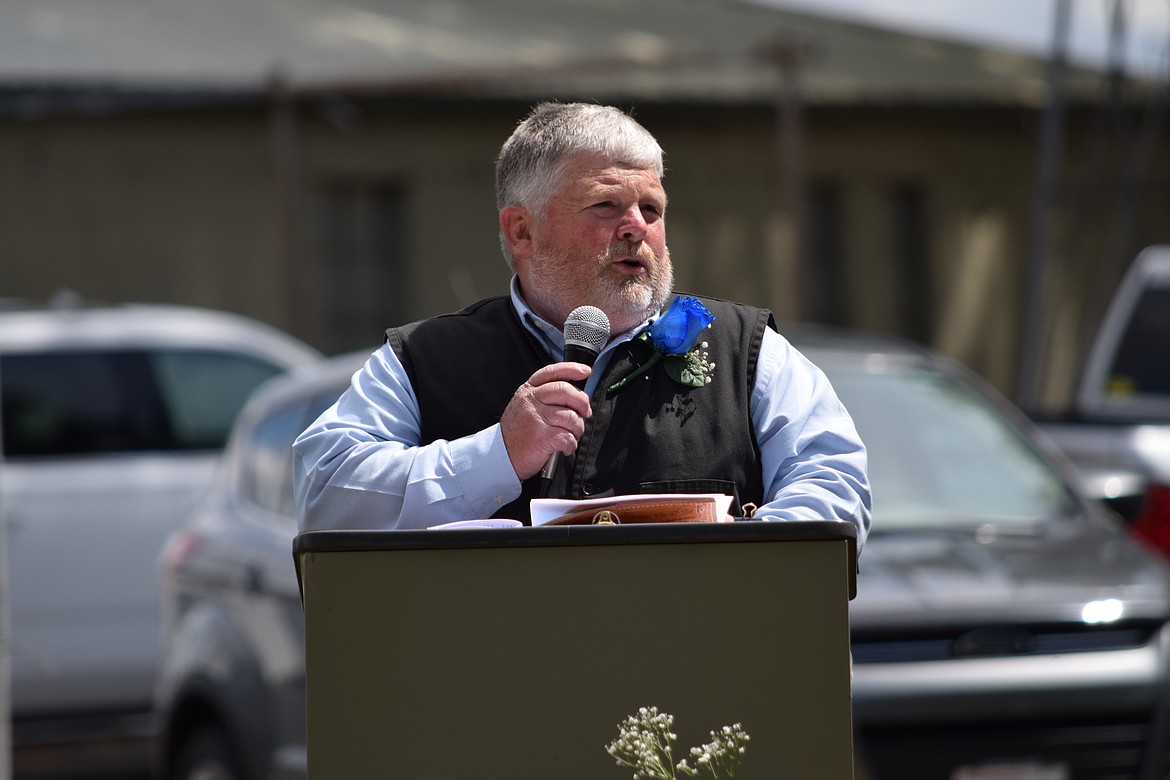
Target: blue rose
[(674, 335), (677, 330)]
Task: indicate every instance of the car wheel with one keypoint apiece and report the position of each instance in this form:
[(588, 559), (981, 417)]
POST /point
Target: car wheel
[(206, 755)]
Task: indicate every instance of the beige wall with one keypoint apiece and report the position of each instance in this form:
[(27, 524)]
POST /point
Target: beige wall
[(447, 164), (189, 207), (166, 208)]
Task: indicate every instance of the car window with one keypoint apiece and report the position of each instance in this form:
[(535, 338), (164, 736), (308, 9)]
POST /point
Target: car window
[(266, 461), (1142, 365), (71, 403), (204, 391), (89, 402), (940, 454)]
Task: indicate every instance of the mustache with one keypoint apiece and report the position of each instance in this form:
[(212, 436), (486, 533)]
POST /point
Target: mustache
[(629, 249)]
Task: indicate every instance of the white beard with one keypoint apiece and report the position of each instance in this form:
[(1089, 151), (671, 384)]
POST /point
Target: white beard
[(626, 301)]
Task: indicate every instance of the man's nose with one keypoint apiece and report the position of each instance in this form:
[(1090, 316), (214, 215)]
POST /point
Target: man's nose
[(633, 225)]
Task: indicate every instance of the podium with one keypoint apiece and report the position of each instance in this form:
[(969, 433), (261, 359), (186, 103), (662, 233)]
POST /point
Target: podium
[(490, 653)]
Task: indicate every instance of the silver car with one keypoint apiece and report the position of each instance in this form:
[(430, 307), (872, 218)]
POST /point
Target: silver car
[(231, 699), (113, 418), (1005, 625)]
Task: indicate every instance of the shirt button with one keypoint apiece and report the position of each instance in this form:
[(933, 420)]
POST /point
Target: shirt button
[(587, 489), (499, 500)]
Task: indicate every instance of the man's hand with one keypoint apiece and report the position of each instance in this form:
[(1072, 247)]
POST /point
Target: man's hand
[(546, 415)]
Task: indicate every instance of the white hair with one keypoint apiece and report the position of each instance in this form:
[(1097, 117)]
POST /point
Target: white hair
[(533, 158)]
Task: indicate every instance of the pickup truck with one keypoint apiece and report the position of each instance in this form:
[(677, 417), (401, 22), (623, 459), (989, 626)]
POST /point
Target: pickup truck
[(1118, 431)]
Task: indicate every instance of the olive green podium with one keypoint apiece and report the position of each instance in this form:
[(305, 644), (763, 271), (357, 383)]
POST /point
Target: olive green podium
[(515, 653)]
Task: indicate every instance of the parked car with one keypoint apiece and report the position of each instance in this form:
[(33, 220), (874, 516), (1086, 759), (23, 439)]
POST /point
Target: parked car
[(231, 696), (1005, 624), (113, 418), (1117, 430)]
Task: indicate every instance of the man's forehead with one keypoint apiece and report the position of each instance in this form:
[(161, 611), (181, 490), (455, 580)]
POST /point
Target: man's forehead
[(595, 164), (595, 172)]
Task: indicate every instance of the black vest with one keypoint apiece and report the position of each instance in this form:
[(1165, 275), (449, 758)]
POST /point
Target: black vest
[(652, 436)]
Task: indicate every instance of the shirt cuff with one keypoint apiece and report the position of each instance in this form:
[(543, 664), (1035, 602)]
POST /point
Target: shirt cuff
[(485, 471)]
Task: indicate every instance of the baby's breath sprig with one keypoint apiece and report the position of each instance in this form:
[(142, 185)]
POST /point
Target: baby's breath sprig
[(720, 756), (645, 744), (693, 369)]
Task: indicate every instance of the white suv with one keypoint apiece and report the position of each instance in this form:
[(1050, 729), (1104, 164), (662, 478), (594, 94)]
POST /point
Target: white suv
[(113, 419)]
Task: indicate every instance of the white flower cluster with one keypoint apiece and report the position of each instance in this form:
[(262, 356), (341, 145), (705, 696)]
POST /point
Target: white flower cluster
[(645, 742), (698, 363), (721, 755), (644, 745)]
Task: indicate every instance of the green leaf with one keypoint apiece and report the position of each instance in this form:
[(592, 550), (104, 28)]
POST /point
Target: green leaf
[(680, 370)]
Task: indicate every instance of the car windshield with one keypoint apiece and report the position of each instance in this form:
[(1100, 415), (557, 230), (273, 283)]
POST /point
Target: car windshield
[(941, 456), (1142, 365), (68, 403)]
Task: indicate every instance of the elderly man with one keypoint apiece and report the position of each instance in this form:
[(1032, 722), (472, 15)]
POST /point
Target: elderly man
[(455, 416)]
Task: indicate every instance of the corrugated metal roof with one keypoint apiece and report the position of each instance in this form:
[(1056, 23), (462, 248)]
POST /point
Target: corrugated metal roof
[(709, 50)]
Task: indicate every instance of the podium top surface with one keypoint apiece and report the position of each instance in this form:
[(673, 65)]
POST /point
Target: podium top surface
[(579, 535), (549, 535)]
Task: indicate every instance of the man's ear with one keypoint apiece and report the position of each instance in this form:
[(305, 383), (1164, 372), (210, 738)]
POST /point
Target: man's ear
[(516, 227)]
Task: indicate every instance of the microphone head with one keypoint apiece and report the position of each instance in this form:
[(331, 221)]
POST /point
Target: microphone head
[(587, 327)]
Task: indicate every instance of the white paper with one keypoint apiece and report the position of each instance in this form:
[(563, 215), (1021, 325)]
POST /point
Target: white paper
[(545, 510), (485, 523)]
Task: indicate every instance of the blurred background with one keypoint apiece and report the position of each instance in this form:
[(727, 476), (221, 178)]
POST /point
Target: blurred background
[(973, 176)]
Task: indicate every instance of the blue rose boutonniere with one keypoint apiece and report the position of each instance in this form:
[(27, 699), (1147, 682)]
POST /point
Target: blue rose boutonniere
[(675, 336)]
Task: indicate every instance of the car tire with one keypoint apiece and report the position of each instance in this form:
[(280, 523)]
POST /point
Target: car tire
[(207, 755)]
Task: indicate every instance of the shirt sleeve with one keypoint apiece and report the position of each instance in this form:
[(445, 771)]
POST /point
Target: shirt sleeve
[(814, 462), (361, 465)]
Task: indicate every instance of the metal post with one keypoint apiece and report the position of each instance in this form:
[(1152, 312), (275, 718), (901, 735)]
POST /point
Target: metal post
[(5, 637), (285, 151), (788, 55), (1031, 373)]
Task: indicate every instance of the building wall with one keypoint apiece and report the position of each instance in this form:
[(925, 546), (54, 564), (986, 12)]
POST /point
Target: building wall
[(256, 210), (971, 176), (160, 208)]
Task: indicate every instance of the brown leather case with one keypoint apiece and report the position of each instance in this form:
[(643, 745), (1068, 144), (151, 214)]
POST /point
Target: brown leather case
[(667, 510)]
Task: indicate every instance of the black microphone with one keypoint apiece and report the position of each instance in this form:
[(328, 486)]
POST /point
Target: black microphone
[(586, 334)]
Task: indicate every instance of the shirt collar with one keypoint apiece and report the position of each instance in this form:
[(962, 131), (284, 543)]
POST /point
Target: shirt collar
[(546, 333), (550, 335)]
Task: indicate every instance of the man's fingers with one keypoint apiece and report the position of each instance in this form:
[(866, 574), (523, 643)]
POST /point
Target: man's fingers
[(546, 414), (563, 372), (552, 386), (556, 397), (565, 419)]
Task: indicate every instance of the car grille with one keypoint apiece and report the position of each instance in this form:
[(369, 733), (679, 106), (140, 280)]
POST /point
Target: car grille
[(1035, 641), (1106, 750)]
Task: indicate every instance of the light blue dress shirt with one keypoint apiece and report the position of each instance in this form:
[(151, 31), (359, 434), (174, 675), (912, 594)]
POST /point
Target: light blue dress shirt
[(361, 464)]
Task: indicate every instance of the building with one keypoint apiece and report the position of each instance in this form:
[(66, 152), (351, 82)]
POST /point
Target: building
[(328, 168)]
